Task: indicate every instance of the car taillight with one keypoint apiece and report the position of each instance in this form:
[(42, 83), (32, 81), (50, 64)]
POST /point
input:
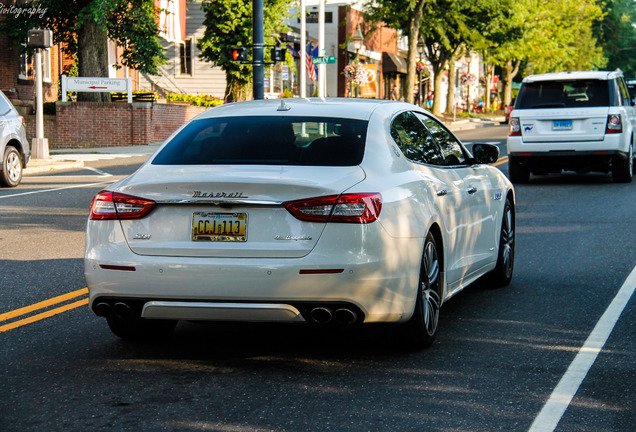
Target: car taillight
[(114, 205), (21, 119), (514, 127), (348, 208), (614, 124)]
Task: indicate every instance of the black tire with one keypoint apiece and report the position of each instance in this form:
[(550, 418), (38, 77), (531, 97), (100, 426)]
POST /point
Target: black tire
[(11, 173), (623, 169), (502, 274), (140, 328), (421, 330), (517, 173)]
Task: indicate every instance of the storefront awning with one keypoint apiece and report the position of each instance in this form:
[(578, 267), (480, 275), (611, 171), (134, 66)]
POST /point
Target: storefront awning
[(393, 63)]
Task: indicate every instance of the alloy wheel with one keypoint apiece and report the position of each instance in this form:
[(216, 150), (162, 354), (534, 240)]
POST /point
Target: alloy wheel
[(13, 166), (430, 288)]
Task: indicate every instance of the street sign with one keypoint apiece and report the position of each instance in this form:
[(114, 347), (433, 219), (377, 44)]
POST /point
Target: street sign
[(324, 60), (84, 84), (96, 84)]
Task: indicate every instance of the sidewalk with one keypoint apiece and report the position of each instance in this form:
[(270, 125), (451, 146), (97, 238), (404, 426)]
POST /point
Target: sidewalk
[(62, 159)]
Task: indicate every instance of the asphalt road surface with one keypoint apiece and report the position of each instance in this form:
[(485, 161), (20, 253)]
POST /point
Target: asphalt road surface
[(513, 359)]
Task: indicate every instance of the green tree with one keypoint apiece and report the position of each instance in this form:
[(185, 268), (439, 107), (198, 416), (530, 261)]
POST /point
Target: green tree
[(554, 36), (404, 15), (450, 27), (84, 26), (228, 23), (617, 35)]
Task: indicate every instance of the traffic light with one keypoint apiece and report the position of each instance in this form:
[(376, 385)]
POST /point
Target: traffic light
[(239, 54), (277, 54)]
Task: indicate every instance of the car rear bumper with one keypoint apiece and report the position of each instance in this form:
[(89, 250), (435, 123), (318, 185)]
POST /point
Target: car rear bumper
[(556, 161), (376, 287)]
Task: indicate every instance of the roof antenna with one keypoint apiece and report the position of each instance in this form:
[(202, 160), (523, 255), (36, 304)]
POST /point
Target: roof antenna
[(283, 106)]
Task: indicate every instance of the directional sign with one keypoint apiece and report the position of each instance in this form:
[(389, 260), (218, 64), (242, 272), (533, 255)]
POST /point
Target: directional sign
[(324, 60), (96, 84)]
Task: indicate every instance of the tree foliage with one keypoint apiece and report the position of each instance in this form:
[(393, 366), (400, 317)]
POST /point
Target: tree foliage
[(131, 24), (617, 35), (228, 23), (84, 26), (406, 16), (450, 27)]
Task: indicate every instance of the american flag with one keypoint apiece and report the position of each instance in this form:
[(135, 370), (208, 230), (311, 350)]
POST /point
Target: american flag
[(311, 69)]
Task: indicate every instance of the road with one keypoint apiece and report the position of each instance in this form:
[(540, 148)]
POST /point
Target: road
[(498, 358)]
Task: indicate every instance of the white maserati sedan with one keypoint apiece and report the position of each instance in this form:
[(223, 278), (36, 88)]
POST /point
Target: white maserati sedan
[(318, 211)]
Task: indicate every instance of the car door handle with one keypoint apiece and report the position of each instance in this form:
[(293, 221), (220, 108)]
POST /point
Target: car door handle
[(441, 192), (471, 189)]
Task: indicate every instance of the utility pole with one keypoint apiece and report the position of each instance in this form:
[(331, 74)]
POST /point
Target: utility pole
[(303, 51), (258, 31)]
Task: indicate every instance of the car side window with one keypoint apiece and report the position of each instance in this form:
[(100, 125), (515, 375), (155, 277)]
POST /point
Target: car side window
[(624, 92), (452, 151), (415, 141)]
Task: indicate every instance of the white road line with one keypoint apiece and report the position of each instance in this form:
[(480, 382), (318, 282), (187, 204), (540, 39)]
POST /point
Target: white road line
[(55, 189), (101, 173), (555, 407)]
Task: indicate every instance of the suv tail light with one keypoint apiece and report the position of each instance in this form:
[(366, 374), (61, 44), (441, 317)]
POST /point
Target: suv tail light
[(114, 205), (614, 124), (514, 127), (347, 208)]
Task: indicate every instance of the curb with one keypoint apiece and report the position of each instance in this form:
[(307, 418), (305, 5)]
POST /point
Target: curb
[(39, 166)]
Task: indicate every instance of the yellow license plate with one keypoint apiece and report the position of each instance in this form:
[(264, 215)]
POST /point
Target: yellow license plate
[(220, 227)]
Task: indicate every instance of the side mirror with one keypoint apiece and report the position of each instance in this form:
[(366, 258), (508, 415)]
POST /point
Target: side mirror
[(485, 153)]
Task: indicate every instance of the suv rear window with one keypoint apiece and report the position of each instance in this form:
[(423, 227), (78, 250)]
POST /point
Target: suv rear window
[(563, 94), (308, 141)]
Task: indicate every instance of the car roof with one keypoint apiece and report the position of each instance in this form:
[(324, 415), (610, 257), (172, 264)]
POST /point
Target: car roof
[(351, 108), (559, 76)]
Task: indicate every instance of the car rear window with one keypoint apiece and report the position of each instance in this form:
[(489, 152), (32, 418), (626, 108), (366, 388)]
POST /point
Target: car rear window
[(564, 94), (267, 140)]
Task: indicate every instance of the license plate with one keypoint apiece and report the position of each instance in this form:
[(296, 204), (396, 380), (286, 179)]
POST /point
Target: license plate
[(221, 227), (561, 124)]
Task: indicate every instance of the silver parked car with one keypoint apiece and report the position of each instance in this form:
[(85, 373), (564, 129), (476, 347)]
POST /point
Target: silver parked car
[(14, 147)]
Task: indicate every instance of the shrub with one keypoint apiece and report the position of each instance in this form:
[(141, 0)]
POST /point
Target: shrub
[(196, 100)]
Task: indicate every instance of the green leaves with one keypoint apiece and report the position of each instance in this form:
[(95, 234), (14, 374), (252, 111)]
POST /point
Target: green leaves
[(131, 23), (228, 23)]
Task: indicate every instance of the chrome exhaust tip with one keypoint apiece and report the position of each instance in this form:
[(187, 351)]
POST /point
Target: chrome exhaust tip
[(122, 310), (103, 309), (345, 316), (321, 315)]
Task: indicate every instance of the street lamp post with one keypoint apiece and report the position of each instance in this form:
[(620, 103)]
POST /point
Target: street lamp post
[(357, 40)]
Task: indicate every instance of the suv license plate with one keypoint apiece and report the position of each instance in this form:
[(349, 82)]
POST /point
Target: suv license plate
[(561, 124), (221, 227)]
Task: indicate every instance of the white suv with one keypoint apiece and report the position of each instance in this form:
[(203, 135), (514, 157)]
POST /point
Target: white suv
[(574, 121)]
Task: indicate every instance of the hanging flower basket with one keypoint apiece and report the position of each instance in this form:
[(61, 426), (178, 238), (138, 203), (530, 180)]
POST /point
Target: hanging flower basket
[(356, 73), (468, 78)]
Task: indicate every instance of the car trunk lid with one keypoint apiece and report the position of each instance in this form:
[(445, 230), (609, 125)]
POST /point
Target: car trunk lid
[(194, 202)]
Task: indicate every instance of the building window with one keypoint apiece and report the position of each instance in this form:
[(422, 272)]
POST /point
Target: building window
[(312, 18), (185, 57), (46, 65), (27, 65)]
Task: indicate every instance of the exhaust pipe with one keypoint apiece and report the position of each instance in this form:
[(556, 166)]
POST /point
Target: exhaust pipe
[(321, 315), (122, 310), (103, 309), (345, 316)]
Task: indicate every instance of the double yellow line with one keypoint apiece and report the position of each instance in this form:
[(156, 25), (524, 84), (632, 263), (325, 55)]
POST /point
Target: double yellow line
[(501, 161), (43, 305)]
